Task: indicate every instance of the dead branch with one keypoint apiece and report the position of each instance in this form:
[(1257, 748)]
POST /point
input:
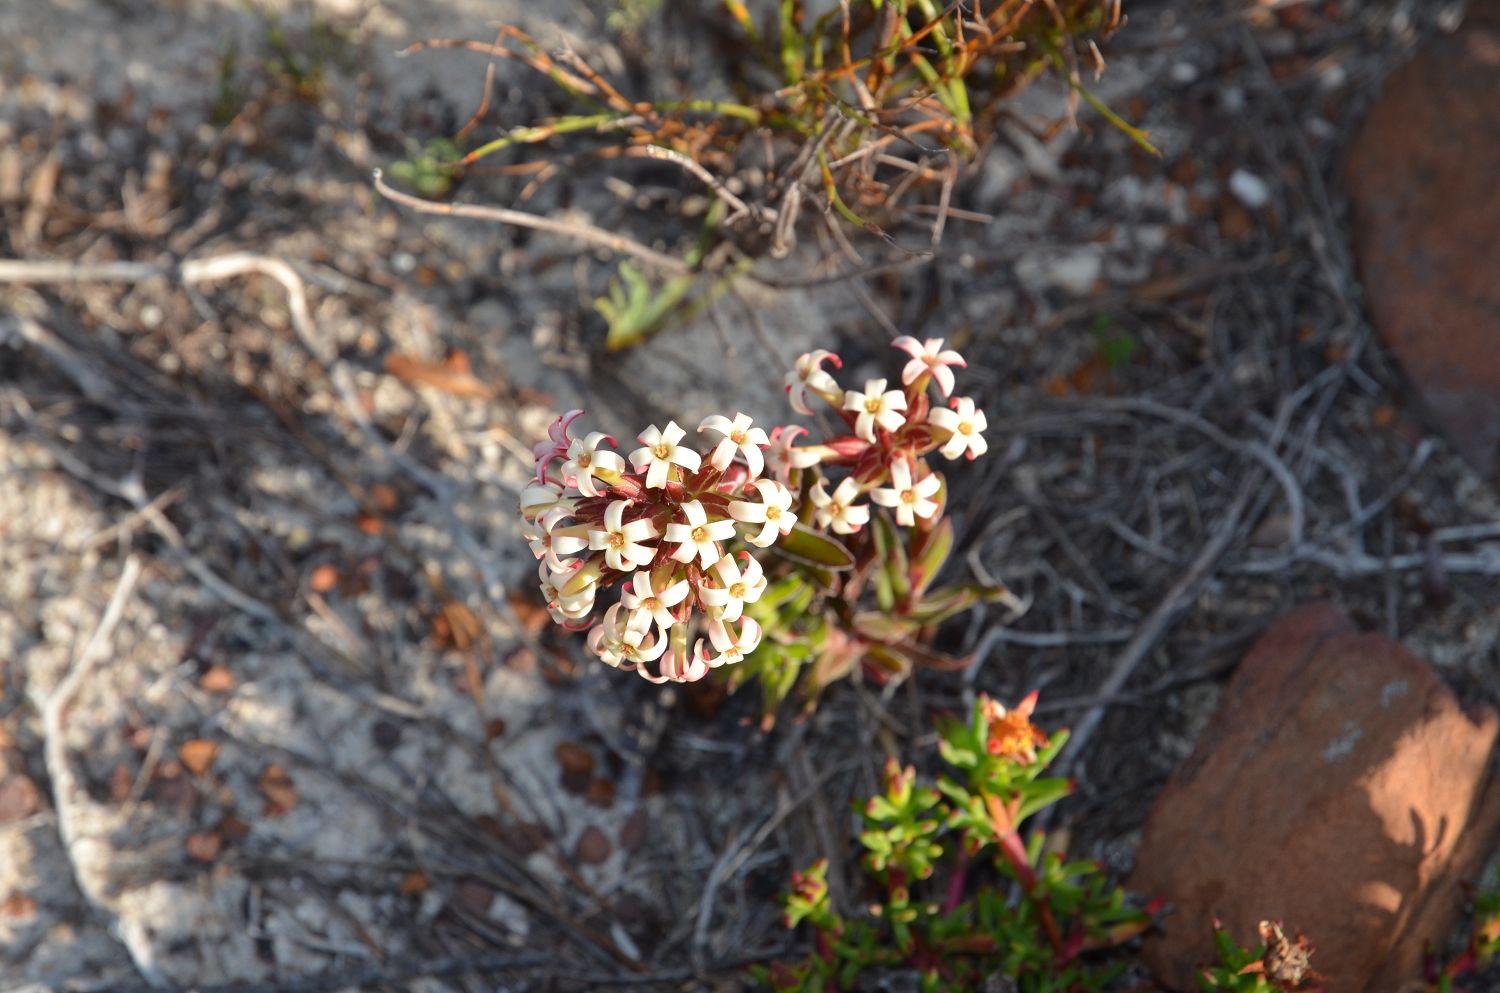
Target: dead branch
[(587, 233)]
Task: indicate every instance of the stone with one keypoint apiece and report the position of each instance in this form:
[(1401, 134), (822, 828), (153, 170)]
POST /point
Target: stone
[(1339, 788), (1426, 211)]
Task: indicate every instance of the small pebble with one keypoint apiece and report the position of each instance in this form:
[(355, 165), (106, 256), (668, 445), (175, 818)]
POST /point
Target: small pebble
[(1249, 189)]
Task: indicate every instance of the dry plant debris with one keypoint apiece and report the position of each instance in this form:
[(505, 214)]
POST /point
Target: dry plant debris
[(1191, 431)]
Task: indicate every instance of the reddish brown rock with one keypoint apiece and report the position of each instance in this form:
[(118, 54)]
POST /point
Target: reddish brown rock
[(1426, 203), (1338, 789)]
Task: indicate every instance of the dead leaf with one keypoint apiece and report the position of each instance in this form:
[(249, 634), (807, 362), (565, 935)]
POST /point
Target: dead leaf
[(601, 793), (574, 758), (464, 627), (18, 798), (231, 827), (217, 679), (198, 755), (39, 190), (634, 831), (369, 523), (278, 789), (523, 660), (121, 782), (451, 376), (385, 497), (18, 907), (324, 578), (593, 846), (204, 846), (1235, 222), (415, 882), (533, 615)]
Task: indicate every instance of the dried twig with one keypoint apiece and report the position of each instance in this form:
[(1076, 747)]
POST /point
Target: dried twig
[(587, 233)]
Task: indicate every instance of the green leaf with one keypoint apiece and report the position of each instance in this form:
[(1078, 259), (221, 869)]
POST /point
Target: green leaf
[(935, 547), (809, 547), (633, 310), (880, 626), (891, 585)]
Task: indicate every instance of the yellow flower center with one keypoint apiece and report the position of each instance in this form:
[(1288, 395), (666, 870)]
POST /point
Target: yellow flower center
[(873, 404), (773, 514), (738, 437), (737, 591), (583, 460), (616, 540), (662, 450), (965, 428), (908, 496), (700, 534), (649, 604)]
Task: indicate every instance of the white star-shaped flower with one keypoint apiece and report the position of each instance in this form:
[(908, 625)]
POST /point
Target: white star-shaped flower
[(929, 356), (876, 405), (621, 542), (782, 458), (732, 647), (569, 608), (585, 461), (550, 547), (616, 645), (966, 423), (808, 374), (738, 436), (773, 511), (538, 498), (646, 603), (911, 500), (698, 537), (838, 510), (661, 453), (734, 589)]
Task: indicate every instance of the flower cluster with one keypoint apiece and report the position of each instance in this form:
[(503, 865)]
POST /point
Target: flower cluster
[(664, 522)]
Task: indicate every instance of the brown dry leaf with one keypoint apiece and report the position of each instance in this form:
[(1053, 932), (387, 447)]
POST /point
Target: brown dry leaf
[(1384, 416), (18, 797), (1235, 222), (204, 846), (463, 626), (634, 831), (494, 728), (385, 497), (121, 782), (523, 660), (601, 793), (232, 827), (593, 846), (369, 523), (451, 376), (415, 882), (217, 679), (324, 578), (198, 755), (39, 190), (575, 758), (279, 790), (18, 907), (534, 617)]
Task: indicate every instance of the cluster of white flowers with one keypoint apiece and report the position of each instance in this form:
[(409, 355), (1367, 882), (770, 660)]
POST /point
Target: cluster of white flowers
[(657, 521)]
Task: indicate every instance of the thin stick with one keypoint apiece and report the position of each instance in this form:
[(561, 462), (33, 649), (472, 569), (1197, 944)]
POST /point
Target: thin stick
[(705, 177), (1178, 599), (65, 785), (583, 232), (222, 266)]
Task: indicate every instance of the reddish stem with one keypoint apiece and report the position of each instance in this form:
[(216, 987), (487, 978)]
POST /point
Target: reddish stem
[(956, 881)]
